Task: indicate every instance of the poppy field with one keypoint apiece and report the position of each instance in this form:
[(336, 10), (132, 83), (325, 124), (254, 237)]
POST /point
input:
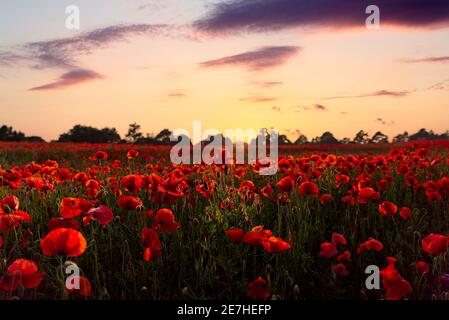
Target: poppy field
[(136, 226)]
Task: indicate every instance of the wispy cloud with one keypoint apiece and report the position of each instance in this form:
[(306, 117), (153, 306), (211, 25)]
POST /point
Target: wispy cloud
[(63, 53), (69, 79), (177, 94), (265, 15), (380, 93), (442, 59), (267, 84), (258, 98), (443, 85), (263, 58)]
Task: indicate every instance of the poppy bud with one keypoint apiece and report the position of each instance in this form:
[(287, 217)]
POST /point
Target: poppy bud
[(296, 291), (144, 289), (185, 291), (268, 269)]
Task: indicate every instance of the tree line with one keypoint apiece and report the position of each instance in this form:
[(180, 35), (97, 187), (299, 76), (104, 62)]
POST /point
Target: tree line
[(88, 134)]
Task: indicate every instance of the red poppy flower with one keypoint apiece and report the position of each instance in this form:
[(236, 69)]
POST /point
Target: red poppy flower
[(206, 188), (57, 223), (258, 289), (397, 287), (100, 155), (152, 244), (326, 198), (247, 186), (341, 179), (13, 220), (371, 244), (129, 203), (340, 269), (266, 191), (65, 241), (74, 207), (235, 234), (165, 221), (9, 204), (328, 250), (345, 256), (84, 286), (338, 239), (422, 267), (256, 236), (102, 214), (388, 209), (133, 153), (132, 183), (286, 184), (435, 244), (21, 273), (350, 200), (308, 189), (275, 245), (366, 194), (405, 213)]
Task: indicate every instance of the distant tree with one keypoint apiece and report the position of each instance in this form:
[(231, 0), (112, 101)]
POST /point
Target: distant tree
[(163, 137), (134, 133), (81, 133), (34, 139), (423, 134), (326, 138), (302, 139), (379, 137), (361, 137), (9, 134), (403, 137), (283, 140), (345, 141)]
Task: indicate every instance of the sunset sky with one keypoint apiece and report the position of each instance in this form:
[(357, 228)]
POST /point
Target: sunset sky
[(295, 65)]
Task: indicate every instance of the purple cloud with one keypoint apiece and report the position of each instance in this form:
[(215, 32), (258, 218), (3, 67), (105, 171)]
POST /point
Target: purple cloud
[(70, 78), (263, 58), (62, 53), (379, 93), (267, 15)]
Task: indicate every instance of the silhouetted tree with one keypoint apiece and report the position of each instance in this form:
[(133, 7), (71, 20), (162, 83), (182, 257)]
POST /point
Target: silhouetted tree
[(345, 141), (163, 136), (326, 138), (34, 139), (379, 137), (134, 133), (283, 140), (9, 134), (361, 137), (81, 133), (403, 137), (302, 139)]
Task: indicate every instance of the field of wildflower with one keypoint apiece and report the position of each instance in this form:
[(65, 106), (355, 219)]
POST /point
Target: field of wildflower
[(138, 227)]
